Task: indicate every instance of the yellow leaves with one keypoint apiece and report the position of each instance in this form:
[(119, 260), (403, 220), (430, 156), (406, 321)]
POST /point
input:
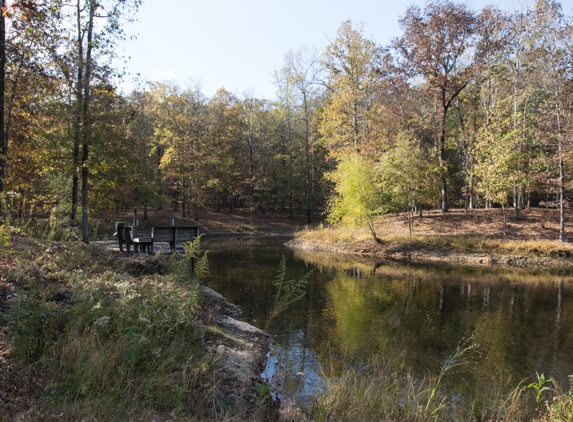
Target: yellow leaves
[(357, 197), (350, 61), (4, 237)]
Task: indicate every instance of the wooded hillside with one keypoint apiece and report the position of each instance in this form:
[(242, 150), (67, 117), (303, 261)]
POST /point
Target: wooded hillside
[(466, 108)]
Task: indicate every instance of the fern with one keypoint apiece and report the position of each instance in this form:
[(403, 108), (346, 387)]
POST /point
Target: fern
[(4, 237), (192, 266), (202, 267), (287, 292)]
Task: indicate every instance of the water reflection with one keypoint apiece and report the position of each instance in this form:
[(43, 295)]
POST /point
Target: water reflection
[(519, 321)]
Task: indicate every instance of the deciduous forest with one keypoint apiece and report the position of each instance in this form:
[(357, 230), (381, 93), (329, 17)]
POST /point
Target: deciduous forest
[(467, 108)]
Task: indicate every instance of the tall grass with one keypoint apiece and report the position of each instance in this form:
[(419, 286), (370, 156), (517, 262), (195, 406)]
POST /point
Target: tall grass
[(112, 342), (378, 391)]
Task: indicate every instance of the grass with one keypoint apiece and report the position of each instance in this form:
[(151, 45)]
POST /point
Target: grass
[(464, 241), (378, 391), (113, 337), (334, 234), (485, 244)]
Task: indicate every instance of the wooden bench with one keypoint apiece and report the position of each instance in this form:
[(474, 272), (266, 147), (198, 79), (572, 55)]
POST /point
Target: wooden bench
[(125, 237), (173, 235)]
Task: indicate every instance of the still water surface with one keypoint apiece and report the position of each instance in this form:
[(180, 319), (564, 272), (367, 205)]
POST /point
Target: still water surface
[(519, 322)]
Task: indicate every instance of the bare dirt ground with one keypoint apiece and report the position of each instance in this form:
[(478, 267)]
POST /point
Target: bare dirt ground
[(534, 223), (457, 237), (224, 223)]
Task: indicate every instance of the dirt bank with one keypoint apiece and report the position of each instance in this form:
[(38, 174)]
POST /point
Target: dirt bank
[(458, 237), (422, 254)]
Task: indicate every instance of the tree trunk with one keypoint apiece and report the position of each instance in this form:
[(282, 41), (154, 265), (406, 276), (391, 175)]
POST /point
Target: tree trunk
[(78, 116), (442, 146), (289, 138), (372, 230), (86, 124), (561, 195), (3, 140), (410, 220), (251, 190), (515, 203), (504, 220), (307, 170)]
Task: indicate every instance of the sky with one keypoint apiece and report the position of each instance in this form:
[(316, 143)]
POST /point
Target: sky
[(238, 44)]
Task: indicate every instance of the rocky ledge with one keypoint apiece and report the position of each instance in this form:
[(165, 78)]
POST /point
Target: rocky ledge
[(240, 349)]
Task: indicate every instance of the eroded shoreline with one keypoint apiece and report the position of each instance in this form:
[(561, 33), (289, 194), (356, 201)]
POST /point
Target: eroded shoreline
[(408, 253), (239, 348)]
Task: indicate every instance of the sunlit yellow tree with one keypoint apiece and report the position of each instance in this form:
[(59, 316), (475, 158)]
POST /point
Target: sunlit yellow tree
[(351, 62), (357, 197)]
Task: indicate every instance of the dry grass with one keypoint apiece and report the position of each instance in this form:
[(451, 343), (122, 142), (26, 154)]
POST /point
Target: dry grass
[(478, 231), (380, 391), (112, 338)]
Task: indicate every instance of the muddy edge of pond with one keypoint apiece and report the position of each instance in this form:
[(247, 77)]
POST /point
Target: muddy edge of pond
[(239, 348), (407, 253)]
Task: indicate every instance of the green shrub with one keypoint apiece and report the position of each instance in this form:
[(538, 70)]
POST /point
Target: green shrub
[(4, 236)]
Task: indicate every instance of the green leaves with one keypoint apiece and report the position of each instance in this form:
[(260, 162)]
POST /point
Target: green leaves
[(539, 386), (4, 237), (287, 291), (357, 195), (407, 175)]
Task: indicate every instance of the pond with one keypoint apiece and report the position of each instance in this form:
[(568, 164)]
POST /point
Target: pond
[(517, 322)]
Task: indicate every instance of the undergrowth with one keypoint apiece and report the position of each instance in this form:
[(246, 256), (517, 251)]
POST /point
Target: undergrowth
[(116, 337)]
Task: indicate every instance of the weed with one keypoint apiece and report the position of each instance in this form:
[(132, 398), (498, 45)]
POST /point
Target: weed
[(178, 401), (108, 341), (32, 326), (263, 397), (539, 387), (191, 267), (561, 407), (287, 291)]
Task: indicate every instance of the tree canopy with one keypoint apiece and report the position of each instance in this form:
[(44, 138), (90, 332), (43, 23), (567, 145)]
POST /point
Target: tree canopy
[(466, 108)]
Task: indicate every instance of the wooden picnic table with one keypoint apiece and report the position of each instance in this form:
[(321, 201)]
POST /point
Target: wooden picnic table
[(169, 234)]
